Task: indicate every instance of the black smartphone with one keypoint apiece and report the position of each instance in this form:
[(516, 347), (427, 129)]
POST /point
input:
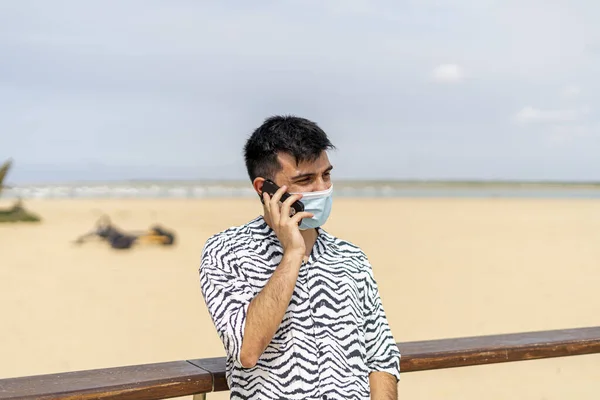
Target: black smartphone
[(271, 187)]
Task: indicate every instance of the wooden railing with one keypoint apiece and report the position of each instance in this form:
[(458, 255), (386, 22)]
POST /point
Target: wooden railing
[(201, 376)]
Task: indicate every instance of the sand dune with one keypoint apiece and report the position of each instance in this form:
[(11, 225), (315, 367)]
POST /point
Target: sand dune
[(445, 267)]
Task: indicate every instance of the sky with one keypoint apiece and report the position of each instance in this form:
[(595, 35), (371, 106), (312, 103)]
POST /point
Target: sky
[(171, 89)]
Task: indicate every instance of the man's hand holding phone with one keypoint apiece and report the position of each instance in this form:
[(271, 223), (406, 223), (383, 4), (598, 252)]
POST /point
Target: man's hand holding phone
[(286, 228)]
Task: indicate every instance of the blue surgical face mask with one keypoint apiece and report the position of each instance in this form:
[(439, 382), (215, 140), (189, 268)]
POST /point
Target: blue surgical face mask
[(318, 204)]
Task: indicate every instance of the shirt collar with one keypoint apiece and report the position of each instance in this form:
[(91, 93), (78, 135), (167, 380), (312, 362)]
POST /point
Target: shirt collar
[(261, 231)]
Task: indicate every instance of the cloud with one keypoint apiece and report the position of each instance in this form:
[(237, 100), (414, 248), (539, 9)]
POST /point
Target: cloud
[(560, 134), (571, 91), (447, 73), (536, 115)]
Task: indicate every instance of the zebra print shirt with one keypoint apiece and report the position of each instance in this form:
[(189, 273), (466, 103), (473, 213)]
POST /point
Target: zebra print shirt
[(334, 332)]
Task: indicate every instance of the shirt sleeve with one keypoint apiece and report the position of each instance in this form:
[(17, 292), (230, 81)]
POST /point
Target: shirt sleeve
[(226, 292), (382, 352)]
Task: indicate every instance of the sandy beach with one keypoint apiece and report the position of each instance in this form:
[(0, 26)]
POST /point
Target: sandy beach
[(445, 268)]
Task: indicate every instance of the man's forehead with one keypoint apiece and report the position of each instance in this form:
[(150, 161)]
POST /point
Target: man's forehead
[(288, 162)]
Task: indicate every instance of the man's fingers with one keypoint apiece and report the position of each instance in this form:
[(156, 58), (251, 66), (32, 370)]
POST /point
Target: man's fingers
[(266, 201), (274, 204), (304, 214), (277, 195), (285, 206), (293, 197)]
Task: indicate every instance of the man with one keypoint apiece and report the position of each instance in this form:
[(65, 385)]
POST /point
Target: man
[(297, 309), (119, 239)]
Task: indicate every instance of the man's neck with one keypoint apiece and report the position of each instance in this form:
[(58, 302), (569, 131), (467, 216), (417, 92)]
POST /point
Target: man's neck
[(310, 237)]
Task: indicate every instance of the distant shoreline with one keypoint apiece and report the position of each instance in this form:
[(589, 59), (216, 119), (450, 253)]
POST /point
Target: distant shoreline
[(337, 182), (342, 188)]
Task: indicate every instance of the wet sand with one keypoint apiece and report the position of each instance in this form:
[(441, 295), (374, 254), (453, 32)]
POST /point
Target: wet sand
[(445, 267)]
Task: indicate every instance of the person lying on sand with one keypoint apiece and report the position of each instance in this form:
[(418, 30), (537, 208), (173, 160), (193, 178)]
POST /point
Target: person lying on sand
[(119, 239)]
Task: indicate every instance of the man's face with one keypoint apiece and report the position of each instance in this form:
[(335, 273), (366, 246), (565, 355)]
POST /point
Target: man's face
[(305, 177)]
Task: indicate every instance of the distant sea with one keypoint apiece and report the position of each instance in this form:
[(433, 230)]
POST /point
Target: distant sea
[(229, 189)]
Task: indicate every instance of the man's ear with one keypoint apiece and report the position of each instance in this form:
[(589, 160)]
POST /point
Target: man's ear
[(258, 184)]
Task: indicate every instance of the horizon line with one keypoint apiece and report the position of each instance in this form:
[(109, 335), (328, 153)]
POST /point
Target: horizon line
[(407, 181)]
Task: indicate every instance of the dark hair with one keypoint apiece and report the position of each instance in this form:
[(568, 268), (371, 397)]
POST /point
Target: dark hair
[(299, 137)]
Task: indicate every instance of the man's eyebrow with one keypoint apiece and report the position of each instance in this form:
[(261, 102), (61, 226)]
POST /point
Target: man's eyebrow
[(309, 174)]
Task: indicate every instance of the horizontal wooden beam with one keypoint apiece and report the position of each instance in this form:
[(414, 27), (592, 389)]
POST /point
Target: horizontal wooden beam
[(181, 378), (147, 382), (478, 350)]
